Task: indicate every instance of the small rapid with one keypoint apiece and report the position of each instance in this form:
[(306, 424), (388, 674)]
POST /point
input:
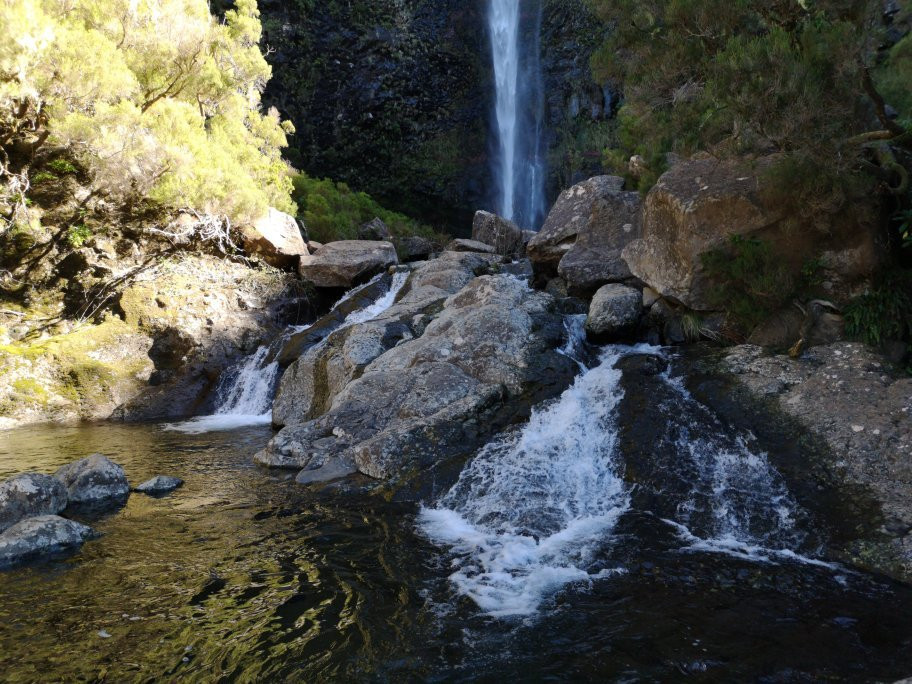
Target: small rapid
[(246, 391), (531, 512), (537, 509)]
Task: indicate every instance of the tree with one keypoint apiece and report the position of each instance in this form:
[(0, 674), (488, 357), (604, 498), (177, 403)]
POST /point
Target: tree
[(156, 98), (735, 76)]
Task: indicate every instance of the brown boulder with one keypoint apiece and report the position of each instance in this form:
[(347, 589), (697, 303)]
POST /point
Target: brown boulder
[(504, 236), (701, 203), (276, 238)]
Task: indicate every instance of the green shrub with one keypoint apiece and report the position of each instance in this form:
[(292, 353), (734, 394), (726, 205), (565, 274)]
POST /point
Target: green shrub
[(43, 177), (62, 167), (751, 282), (78, 234), (333, 211), (884, 313)]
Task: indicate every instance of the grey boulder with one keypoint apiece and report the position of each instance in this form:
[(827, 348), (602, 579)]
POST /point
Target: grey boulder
[(504, 236), (40, 536), (614, 312), (160, 484), (346, 263), (375, 229), (414, 248), (29, 495), (95, 479)]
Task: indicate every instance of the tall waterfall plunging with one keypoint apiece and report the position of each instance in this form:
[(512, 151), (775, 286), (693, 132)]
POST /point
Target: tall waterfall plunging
[(519, 165)]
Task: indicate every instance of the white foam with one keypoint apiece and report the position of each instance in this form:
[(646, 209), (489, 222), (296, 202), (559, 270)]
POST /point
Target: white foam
[(218, 423), (531, 512)]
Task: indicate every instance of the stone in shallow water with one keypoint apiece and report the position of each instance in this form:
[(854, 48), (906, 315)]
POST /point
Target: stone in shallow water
[(94, 479), (160, 484), (28, 495), (40, 536)]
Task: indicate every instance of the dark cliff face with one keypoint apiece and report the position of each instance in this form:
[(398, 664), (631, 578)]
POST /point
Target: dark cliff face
[(394, 97)]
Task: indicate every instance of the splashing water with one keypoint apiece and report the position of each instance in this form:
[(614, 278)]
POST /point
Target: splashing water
[(531, 512), (247, 392)]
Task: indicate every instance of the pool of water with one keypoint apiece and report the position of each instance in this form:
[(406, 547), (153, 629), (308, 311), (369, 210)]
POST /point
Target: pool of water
[(244, 575)]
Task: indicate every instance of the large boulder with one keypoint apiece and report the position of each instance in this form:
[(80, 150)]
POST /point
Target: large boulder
[(41, 536), (504, 236), (484, 360), (375, 229), (615, 312), (92, 480), (29, 495), (414, 248), (346, 263), (585, 233), (321, 368), (701, 203), (276, 238)]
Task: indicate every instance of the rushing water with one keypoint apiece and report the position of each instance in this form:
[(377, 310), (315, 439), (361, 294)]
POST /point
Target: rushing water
[(246, 392), (519, 165), (626, 533)]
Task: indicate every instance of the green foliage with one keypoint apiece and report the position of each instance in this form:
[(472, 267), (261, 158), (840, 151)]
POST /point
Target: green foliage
[(333, 211), (62, 167), (894, 76), (155, 99), (884, 313), (78, 234), (737, 76), (43, 177), (752, 282)]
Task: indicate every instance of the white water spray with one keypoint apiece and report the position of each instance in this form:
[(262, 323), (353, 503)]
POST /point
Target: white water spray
[(503, 19), (247, 394), (533, 509)]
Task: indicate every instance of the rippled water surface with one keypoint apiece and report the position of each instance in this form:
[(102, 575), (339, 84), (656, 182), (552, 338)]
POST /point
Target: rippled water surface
[(242, 575)]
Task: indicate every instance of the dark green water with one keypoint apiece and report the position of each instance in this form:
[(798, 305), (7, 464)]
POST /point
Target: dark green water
[(243, 576)]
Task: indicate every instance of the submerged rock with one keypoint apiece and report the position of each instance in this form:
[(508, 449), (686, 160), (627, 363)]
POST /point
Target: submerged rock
[(504, 236), (277, 238), (40, 536), (484, 358), (346, 263), (95, 479), (29, 495), (614, 312), (160, 484)]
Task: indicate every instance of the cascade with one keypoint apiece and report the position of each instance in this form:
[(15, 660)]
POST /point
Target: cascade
[(519, 164), (246, 392), (535, 510)]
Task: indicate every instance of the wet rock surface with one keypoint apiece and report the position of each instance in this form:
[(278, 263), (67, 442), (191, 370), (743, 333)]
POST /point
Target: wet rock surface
[(94, 480), (346, 263), (464, 245), (860, 408), (473, 361), (29, 495), (41, 536)]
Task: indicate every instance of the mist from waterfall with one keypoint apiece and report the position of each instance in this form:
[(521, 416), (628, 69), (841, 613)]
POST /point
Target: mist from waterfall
[(519, 165)]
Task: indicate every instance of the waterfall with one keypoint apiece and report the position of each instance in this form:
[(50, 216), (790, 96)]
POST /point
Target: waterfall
[(246, 392), (519, 166)]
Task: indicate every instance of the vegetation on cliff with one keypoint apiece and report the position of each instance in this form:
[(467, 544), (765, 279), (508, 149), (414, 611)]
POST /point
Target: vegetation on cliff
[(157, 100)]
